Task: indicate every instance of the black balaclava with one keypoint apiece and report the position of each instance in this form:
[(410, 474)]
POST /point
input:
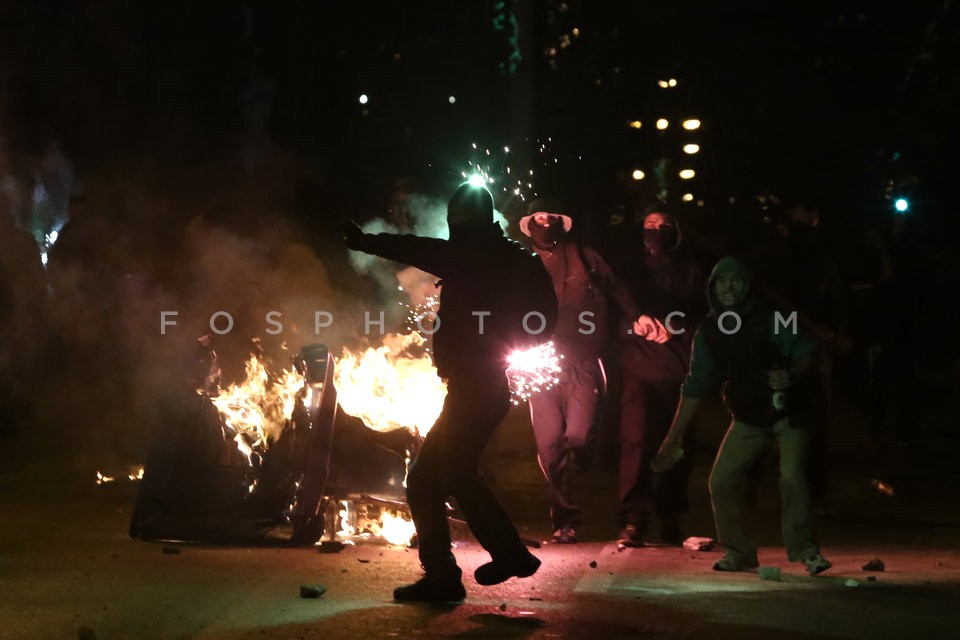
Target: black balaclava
[(662, 240)]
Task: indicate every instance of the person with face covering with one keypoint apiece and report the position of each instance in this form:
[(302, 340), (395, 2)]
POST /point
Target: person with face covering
[(667, 282), (762, 363), (563, 416), (477, 265)]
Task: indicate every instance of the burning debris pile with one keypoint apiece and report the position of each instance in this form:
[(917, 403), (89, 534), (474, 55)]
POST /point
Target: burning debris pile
[(247, 463)]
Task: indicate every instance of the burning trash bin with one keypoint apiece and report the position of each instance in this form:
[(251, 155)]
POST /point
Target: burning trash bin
[(242, 464)]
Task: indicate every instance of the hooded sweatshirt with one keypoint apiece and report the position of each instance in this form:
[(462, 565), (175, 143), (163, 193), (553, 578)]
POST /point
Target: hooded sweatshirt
[(739, 361), (668, 280)]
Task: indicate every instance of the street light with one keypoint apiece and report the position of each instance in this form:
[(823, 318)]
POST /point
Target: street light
[(691, 148), (638, 174), (691, 124), (662, 124), (686, 174)]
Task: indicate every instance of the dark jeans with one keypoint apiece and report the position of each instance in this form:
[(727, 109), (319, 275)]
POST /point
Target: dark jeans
[(562, 419), (448, 465), (647, 409)]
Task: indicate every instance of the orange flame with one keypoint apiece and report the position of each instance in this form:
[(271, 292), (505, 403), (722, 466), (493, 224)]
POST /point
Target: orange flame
[(389, 387), (396, 529), (257, 409)]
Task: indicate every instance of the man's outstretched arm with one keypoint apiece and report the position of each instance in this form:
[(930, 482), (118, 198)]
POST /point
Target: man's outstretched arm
[(432, 255)]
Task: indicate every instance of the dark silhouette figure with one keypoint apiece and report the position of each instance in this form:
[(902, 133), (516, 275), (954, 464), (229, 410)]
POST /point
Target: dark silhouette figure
[(482, 272), (668, 283)]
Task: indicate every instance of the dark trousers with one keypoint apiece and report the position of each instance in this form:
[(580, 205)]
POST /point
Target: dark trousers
[(647, 409), (562, 419), (448, 465)]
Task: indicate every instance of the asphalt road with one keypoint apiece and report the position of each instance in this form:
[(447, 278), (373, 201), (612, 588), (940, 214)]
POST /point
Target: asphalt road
[(68, 569)]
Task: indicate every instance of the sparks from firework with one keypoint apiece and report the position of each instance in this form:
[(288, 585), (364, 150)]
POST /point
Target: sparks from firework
[(493, 170), (533, 370), (421, 317)]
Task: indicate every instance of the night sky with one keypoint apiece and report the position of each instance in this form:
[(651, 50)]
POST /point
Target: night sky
[(812, 101)]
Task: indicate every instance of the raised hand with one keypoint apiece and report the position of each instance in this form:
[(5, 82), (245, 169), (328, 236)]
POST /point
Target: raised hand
[(352, 234)]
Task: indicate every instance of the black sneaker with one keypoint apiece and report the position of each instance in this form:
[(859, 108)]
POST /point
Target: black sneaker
[(816, 564), (733, 563), (437, 587), (499, 571), (565, 535), (631, 536)]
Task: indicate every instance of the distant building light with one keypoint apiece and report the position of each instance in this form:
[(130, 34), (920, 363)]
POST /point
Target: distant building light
[(687, 197), (672, 82), (691, 124), (663, 84), (732, 200), (364, 99), (576, 32), (662, 124), (686, 174), (901, 205), (638, 175), (691, 148), (699, 203), (635, 124), (452, 99)]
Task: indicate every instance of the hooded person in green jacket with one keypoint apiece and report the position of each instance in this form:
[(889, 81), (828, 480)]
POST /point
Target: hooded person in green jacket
[(762, 364)]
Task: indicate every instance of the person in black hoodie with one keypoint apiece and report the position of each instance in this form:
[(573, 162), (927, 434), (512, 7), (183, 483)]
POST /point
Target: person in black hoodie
[(763, 363), (667, 283), (474, 328)]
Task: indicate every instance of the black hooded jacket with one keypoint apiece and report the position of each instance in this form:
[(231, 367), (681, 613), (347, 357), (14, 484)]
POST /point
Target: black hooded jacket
[(481, 271), (739, 360), (669, 282)]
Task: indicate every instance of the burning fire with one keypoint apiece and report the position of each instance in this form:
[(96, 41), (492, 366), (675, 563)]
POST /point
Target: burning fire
[(257, 409), (346, 524), (532, 370), (396, 529), (389, 387), (360, 519)]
